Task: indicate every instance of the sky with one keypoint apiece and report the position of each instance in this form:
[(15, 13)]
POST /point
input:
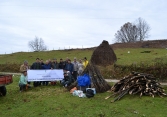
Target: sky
[(64, 24)]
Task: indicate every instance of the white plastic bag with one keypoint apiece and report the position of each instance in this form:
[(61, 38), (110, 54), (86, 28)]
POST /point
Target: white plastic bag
[(78, 93)]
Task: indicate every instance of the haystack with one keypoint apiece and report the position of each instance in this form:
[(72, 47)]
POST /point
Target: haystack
[(103, 55)]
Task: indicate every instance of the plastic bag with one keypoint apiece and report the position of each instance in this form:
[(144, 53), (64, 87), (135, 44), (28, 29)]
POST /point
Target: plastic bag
[(83, 80), (94, 90), (89, 93), (78, 93)]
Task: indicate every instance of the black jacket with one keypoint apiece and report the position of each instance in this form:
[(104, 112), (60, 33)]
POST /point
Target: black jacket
[(61, 65), (36, 66)]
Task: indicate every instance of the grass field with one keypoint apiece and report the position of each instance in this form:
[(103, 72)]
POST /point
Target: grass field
[(31, 56), (123, 57), (137, 55), (55, 101)]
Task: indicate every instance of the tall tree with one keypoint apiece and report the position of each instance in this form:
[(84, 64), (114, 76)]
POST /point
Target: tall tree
[(132, 32), (37, 44), (143, 28), (127, 33)]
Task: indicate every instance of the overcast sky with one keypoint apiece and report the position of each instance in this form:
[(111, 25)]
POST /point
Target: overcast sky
[(74, 23)]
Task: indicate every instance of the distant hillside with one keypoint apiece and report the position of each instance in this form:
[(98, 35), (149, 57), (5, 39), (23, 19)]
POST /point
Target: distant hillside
[(143, 44)]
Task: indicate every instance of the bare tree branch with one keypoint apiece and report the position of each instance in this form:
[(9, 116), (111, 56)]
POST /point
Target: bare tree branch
[(127, 33), (143, 28), (133, 32), (37, 44)]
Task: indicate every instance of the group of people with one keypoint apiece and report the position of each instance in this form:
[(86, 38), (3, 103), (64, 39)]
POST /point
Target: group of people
[(72, 69)]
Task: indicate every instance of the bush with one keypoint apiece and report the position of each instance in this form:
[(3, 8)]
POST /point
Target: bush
[(10, 67)]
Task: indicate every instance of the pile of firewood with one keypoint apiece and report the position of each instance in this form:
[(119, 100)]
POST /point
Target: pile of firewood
[(137, 83)]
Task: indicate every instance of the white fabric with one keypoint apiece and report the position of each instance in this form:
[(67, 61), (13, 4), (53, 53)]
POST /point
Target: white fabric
[(45, 75)]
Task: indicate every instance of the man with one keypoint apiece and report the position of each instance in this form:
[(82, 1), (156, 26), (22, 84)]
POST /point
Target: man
[(24, 66), (41, 61), (36, 66), (69, 67), (68, 79), (55, 64), (75, 72), (66, 61), (46, 66), (23, 81), (50, 61), (61, 64)]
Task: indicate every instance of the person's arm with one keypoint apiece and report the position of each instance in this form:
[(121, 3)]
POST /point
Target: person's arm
[(65, 67), (86, 63), (50, 66), (72, 68), (57, 66), (40, 66), (43, 67), (83, 64), (77, 66)]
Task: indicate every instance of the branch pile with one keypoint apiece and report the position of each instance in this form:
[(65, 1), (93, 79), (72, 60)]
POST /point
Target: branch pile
[(137, 83)]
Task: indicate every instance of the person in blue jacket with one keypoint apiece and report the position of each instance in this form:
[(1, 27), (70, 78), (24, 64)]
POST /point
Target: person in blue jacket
[(69, 66), (46, 66)]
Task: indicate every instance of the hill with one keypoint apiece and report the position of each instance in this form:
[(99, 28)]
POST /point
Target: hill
[(131, 56), (143, 44), (155, 47)]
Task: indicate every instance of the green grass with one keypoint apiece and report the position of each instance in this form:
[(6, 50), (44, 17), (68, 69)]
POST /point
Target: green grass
[(136, 57), (31, 56), (55, 101), (124, 58)]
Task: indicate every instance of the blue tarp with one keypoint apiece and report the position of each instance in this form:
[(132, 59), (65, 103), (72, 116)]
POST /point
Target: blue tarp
[(84, 80)]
